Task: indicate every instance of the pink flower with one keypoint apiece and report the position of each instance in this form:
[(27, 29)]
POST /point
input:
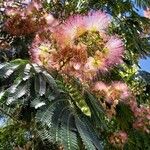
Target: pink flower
[(97, 21), (10, 11), (72, 28), (133, 106), (20, 26), (100, 86), (41, 51), (71, 42), (76, 66), (92, 64), (95, 63), (33, 6), (8, 3), (122, 88), (111, 95), (114, 50), (77, 25), (52, 64), (118, 139), (142, 118), (147, 13), (49, 19)]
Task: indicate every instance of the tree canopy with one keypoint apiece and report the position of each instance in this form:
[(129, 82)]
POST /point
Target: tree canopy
[(69, 75)]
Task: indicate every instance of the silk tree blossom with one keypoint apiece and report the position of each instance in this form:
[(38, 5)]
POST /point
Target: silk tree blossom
[(8, 3), (93, 64), (72, 28), (120, 90), (142, 125), (27, 20), (82, 44), (141, 114), (11, 11), (111, 95), (42, 52), (100, 88), (77, 25), (97, 62), (24, 8), (74, 69), (49, 19), (97, 21), (72, 61), (142, 118), (118, 139), (18, 26), (132, 103), (34, 5), (116, 90), (114, 49), (74, 54)]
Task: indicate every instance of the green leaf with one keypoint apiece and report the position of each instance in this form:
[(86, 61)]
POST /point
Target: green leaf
[(84, 133), (58, 119), (17, 93), (40, 85)]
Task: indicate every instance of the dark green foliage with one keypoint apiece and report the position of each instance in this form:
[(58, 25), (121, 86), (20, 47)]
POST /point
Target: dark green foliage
[(8, 134), (138, 141), (57, 107)]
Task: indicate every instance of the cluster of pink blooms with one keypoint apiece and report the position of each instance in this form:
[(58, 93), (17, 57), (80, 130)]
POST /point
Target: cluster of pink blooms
[(142, 119), (111, 95), (141, 114), (118, 139), (25, 19), (79, 47)]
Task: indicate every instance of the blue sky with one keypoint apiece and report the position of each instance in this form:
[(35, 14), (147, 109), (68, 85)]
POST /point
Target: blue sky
[(144, 63)]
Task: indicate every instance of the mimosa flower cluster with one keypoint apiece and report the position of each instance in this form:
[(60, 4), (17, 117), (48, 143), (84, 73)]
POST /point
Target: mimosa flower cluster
[(26, 19), (118, 139), (142, 121), (79, 47), (142, 116), (110, 95)]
